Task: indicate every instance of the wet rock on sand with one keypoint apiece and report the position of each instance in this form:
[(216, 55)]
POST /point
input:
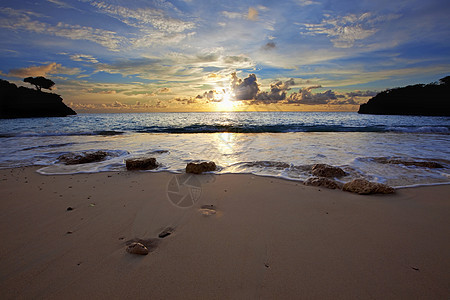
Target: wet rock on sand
[(141, 163), (198, 168), (323, 170), (137, 248), (83, 158), (364, 187), (420, 164), (323, 182)]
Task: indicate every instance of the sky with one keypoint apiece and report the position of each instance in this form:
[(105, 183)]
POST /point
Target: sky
[(207, 55)]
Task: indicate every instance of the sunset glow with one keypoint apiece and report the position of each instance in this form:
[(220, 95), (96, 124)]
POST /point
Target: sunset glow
[(180, 55)]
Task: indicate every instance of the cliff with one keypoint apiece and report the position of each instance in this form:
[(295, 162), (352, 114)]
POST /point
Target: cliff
[(21, 102), (421, 100)]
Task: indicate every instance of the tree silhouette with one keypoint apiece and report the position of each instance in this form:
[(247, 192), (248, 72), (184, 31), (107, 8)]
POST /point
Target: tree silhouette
[(40, 82)]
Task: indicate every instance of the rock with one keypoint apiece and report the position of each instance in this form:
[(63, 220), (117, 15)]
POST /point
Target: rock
[(323, 170), (198, 168), (322, 181), (69, 208), (83, 158), (22, 102), (409, 100), (141, 163), (421, 164), (137, 248), (364, 187)]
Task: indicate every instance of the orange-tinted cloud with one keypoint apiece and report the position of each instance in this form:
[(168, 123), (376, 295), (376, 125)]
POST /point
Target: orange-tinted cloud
[(52, 68)]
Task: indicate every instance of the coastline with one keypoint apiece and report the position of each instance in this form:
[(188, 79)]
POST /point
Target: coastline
[(244, 236)]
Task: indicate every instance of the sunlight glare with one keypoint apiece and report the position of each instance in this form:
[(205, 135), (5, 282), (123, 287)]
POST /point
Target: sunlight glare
[(226, 103)]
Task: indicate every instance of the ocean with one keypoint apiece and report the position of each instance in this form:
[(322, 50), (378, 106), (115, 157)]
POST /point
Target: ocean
[(278, 144)]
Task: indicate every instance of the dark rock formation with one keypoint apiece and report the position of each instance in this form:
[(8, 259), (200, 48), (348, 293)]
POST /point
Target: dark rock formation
[(364, 187), (144, 163), (200, 167), (29, 103), (83, 158), (323, 170), (420, 164), (323, 182), (422, 100)]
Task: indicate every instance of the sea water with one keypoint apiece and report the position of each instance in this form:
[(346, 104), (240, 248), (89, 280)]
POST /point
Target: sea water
[(279, 144)]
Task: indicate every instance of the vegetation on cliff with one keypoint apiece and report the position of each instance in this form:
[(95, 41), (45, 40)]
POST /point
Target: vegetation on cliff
[(421, 99), (22, 102)]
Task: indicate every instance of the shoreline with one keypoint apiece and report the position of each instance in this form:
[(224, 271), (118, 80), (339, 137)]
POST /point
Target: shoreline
[(241, 236)]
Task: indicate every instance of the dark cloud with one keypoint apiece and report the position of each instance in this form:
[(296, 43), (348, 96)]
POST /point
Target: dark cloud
[(305, 96), (246, 89), (269, 46), (362, 94), (233, 59), (277, 92)]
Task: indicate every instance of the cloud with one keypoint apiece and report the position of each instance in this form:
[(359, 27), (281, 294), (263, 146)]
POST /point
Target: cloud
[(305, 96), (269, 46), (362, 94), (61, 4), (44, 70), (307, 2), (233, 15), (163, 90), (178, 66), (118, 106), (143, 17), (244, 89), (277, 92), (346, 30), (84, 58), (187, 100), (252, 14), (22, 20)]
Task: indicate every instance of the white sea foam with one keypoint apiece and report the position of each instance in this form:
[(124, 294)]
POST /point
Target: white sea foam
[(280, 154)]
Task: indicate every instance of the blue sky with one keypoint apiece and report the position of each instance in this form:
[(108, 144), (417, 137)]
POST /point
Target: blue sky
[(180, 55)]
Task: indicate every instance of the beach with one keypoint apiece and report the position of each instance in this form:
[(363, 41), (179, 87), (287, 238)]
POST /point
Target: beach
[(232, 236)]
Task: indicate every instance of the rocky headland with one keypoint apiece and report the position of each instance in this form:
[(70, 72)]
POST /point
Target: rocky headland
[(420, 100), (22, 102)]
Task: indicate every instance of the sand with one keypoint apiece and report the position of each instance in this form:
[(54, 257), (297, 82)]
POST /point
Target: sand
[(230, 237)]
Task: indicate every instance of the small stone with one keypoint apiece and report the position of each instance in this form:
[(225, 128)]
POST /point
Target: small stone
[(69, 208), (166, 232), (137, 248)]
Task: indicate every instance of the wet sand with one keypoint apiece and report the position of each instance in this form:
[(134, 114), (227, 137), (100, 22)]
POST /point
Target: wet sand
[(217, 237)]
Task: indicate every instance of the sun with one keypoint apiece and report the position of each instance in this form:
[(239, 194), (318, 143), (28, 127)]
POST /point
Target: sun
[(226, 103)]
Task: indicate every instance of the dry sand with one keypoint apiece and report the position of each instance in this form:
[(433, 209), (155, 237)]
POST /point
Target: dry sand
[(256, 237)]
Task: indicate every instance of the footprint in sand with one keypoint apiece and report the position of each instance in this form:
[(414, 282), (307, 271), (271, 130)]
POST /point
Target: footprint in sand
[(140, 246), (166, 232), (208, 210)]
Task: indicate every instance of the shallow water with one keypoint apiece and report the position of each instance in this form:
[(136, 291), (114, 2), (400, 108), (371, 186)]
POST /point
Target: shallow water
[(274, 144)]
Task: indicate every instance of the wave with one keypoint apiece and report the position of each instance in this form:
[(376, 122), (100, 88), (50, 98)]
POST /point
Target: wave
[(243, 128), (422, 129), (284, 128), (50, 134)]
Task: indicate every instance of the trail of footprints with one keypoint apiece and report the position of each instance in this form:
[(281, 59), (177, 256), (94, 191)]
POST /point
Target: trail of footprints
[(143, 247)]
